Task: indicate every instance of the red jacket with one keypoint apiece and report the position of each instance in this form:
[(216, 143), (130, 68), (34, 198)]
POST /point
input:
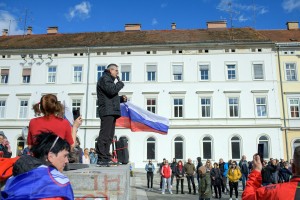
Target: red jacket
[(166, 171), (282, 191)]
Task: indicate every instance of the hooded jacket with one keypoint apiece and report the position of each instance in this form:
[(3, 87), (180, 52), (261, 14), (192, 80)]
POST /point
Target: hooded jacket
[(282, 191), (107, 94), (32, 179)]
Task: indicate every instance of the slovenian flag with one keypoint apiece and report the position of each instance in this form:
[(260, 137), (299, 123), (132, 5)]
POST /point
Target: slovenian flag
[(138, 119)]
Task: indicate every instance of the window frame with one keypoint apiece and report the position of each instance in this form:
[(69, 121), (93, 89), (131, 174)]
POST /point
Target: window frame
[(26, 108), (4, 79), (152, 73), (289, 104), (182, 72), (77, 74), (3, 108), (227, 64), (232, 149), (260, 141), (210, 106), (155, 148), (262, 68), (173, 107), (127, 71), (211, 147), (151, 106), (256, 106), (100, 71), (208, 71), (182, 142), (228, 106), (51, 73), (295, 70)]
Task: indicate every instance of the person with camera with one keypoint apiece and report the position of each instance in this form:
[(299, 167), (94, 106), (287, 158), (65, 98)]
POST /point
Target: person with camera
[(150, 169), (108, 87), (282, 191), (5, 149), (179, 173)]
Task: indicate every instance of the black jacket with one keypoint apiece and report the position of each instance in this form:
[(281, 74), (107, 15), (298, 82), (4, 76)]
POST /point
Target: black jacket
[(267, 173), (26, 163), (4, 149), (107, 94)]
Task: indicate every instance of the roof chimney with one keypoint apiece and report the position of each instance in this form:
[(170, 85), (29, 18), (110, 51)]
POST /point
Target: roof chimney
[(29, 30), (133, 27), (216, 24), (173, 25), (52, 30), (292, 25), (4, 32)]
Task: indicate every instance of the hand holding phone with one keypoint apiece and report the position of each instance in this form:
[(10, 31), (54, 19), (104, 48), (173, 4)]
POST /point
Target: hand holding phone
[(76, 114), (260, 152)]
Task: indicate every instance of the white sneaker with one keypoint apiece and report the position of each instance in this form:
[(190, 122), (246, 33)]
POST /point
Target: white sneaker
[(159, 189), (230, 199), (162, 193), (171, 192), (237, 199)]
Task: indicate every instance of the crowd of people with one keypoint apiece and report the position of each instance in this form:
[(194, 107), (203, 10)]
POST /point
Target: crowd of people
[(215, 179)]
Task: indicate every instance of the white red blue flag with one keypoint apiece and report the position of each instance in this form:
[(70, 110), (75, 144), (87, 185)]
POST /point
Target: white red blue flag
[(139, 119)]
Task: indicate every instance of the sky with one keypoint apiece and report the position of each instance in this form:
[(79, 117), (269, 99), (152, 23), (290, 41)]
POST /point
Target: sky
[(74, 16)]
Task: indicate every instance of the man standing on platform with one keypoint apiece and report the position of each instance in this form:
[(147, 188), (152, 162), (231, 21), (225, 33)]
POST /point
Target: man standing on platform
[(108, 87)]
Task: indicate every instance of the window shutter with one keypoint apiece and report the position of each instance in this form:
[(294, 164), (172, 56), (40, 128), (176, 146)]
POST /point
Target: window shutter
[(26, 72), (4, 72), (125, 68), (151, 68), (258, 71), (177, 69)]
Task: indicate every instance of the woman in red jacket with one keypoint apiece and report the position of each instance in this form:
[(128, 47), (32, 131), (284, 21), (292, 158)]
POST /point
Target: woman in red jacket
[(52, 121), (166, 173), (282, 191)]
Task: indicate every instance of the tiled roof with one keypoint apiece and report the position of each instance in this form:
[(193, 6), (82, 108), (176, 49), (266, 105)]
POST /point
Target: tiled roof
[(282, 35), (128, 38)]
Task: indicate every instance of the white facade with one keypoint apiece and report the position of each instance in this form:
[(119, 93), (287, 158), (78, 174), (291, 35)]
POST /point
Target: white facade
[(243, 89)]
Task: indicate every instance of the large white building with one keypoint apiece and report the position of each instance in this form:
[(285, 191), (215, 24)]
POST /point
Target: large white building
[(218, 87)]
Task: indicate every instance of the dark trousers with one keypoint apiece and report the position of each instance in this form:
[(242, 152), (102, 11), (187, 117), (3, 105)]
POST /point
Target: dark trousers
[(150, 178), (217, 189), (244, 179), (178, 180), (224, 184), (233, 185), (105, 138), (190, 178), (172, 177)]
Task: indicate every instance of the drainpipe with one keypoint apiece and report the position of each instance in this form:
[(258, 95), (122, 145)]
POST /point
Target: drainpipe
[(283, 108), (86, 95)]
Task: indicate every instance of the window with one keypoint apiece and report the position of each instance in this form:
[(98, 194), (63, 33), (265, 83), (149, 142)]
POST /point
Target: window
[(151, 105), (205, 107), (51, 74), (26, 75), (207, 148), (76, 103), (178, 148), (177, 72), (235, 148), (261, 106), (77, 74), (100, 70), (126, 72), (151, 72), (4, 76), (178, 107), (233, 103), (258, 72), (204, 72), (23, 109), (290, 72), (265, 141), (231, 72), (150, 148), (2, 108), (294, 107)]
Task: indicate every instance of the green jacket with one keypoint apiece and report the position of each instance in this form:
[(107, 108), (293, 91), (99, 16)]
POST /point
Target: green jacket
[(189, 169), (205, 186)]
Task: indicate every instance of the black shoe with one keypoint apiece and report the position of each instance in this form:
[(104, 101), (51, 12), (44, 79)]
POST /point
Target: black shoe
[(112, 163), (103, 164), (182, 192)]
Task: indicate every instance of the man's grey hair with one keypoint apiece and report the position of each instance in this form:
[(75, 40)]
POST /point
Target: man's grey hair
[(112, 66)]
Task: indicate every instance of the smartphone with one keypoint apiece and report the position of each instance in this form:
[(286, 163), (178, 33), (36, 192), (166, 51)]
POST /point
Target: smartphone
[(260, 152), (76, 114)]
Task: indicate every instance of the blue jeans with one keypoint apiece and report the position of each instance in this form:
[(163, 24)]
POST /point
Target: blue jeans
[(168, 181), (244, 179)]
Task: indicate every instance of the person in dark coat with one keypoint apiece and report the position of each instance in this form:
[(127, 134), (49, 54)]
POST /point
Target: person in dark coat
[(5, 150), (285, 174), (198, 166), (108, 87), (173, 167), (266, 174), (204, 190), (179, 173), (216, 179)]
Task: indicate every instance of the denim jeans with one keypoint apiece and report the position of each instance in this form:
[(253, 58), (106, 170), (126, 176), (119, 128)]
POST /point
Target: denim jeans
[(168, 181), (244, 179)]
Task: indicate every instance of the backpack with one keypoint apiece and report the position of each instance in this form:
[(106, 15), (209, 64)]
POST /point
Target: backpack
[(6, 167)]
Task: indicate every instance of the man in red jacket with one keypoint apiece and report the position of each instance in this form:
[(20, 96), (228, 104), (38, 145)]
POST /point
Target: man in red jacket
[(289, 190)]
